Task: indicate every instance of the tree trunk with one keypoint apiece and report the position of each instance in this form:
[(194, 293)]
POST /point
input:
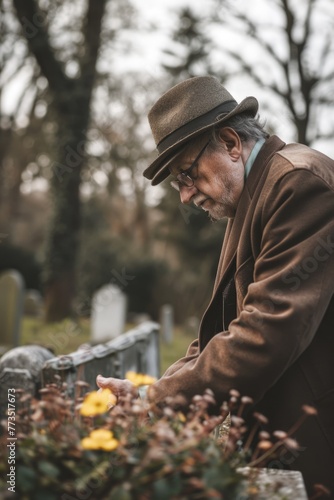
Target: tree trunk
[(71, 98), (62, 239), (58, 296)]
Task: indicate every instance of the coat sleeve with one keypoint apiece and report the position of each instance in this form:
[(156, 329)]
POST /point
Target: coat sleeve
[(284, 304)]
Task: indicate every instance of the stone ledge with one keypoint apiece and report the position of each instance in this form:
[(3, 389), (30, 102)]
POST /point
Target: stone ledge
[(272, 484)]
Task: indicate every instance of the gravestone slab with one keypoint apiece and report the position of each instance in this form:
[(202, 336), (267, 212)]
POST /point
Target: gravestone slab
[(21, 368), (33, 303), (11, 308), (108, 314), (167, 323), (272, 484), (191, 326)]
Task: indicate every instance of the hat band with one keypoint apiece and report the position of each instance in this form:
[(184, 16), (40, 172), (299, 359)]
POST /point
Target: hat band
[(195, 125)]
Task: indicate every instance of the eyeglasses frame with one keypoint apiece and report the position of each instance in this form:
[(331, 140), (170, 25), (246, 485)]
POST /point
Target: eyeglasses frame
[(184, 178)]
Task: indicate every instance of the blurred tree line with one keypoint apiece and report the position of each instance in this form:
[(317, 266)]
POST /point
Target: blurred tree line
[(75, 212)]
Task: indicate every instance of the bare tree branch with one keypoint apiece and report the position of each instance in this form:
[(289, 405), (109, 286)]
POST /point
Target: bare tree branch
[(325, 53), (92, 35), (307, 29), (37, 37), (322, 136), (253, 32)]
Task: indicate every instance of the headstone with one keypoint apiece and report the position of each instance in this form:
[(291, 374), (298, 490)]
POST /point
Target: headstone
[(167, 323), (191, 326), (21, 368), (11, 308), (33, 303), (139, 318), (108, 314), (272, 484)]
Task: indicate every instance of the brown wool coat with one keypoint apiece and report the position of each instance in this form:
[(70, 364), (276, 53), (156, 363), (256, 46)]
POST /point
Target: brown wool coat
[(269, 328)]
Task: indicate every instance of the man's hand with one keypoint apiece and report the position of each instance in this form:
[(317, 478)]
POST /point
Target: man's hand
[(117, 386)]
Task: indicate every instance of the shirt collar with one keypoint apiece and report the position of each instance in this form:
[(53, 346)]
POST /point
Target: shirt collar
[(253, 154)]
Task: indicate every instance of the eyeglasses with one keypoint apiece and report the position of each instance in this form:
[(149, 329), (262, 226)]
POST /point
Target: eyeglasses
[(184, 178)]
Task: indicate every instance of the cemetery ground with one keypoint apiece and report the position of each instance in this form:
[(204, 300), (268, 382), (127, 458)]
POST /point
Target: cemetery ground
[(65, 337)]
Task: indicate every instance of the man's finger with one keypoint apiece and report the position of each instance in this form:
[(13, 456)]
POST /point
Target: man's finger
[(117, 386), (107, 383)]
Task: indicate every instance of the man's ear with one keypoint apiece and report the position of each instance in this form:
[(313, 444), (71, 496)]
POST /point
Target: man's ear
[(232, 142)]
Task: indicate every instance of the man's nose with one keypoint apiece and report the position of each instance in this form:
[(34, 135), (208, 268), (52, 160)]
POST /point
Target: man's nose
[(186, 193)]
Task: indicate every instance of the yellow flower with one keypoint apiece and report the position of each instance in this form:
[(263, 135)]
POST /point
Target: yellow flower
[(100, 439), (97, 402), (139, 379), (181, 416)]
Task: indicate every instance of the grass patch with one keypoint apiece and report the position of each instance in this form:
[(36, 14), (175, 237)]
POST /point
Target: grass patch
[(169, 353), (62, 338), (66, 336)]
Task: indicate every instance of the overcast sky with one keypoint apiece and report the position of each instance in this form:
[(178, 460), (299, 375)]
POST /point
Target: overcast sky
[(162, 12), (147, 46)]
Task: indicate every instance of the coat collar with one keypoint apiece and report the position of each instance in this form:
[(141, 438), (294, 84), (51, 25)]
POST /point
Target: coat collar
[(254, 183)]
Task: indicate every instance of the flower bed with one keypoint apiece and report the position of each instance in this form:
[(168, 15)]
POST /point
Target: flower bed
[(92, 448)]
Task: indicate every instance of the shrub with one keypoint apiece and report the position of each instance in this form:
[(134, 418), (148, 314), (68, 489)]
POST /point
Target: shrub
[(92, 448)]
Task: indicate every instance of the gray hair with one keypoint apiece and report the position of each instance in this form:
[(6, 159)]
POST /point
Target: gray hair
[(247, 128)]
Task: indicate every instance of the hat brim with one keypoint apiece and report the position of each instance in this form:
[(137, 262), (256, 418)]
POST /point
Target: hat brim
[(158, 170)]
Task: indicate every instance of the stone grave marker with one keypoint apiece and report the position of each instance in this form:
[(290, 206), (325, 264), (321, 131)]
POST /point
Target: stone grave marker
[(21, 368), (191, 326), (108, 314), (32, 303), (272, 484), (11, 308), (167, 323)]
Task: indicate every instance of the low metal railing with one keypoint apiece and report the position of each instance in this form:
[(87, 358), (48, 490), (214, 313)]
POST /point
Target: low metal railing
[(136, 350)]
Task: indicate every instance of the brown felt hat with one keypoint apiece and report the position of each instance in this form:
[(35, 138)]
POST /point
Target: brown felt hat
[(185, 111)]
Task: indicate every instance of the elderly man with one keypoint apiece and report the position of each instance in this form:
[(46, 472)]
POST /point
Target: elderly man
[(269, 328)]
